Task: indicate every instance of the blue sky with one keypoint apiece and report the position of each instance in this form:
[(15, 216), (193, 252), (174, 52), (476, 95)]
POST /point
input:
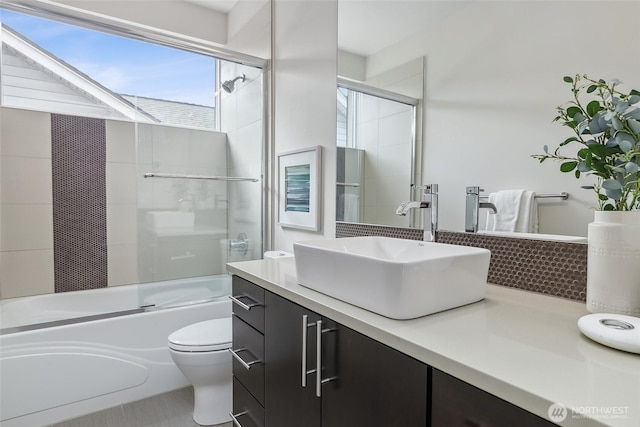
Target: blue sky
[(125, 66)]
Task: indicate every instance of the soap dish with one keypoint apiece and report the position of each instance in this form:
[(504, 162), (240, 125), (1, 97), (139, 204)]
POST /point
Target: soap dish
[(613, 330)]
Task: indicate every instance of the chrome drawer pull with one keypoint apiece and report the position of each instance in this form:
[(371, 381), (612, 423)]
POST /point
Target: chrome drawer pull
[(319, 358), (247, 365), (243, 305), (319, 380), (235, 417), (305, 326)]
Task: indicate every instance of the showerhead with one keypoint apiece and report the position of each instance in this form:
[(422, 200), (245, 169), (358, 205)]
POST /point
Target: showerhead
[(230, 85)]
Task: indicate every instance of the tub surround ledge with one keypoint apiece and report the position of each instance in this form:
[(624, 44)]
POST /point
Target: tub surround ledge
[(522, 347)]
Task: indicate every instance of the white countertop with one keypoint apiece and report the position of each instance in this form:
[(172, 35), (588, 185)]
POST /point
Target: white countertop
[(522, 347)]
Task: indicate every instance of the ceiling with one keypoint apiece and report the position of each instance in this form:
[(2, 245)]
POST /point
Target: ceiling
[(368, 26)]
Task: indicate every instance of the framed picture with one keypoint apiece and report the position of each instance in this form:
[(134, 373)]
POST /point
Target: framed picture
[(299, 179)]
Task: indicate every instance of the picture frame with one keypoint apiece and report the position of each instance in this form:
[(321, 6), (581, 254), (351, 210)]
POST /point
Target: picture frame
[(299, 188)]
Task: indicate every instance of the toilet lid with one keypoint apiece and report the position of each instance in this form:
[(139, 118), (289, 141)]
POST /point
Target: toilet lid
[(209, 335)]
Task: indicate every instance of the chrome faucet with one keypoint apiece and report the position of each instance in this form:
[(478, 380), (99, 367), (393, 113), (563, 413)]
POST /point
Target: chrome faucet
[(472, 208), (430, 205)]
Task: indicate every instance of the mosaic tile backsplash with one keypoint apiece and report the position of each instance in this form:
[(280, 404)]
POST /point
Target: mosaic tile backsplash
[(542, 266), (78, 148)]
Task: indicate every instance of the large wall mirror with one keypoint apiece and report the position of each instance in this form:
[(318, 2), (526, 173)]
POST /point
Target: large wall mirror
[(488, 77), (376, 162)]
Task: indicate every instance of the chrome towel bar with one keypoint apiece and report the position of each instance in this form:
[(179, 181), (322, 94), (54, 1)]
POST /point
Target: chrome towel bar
[(564, 196), (207, 177)]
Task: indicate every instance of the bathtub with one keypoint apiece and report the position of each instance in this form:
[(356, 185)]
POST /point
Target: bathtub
[(71, 354)]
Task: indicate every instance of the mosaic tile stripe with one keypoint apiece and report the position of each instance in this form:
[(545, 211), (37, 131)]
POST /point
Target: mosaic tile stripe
[(79, 202), (546, 267)]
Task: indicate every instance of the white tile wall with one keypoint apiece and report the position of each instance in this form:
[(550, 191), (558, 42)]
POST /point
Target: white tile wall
[(122, 264), (245, 142), (122, 224), (26, 227), (25, 180), (207, 153), (121, 141), (25, 133), (121, 183), (25, 273), (122, 218), (26, 211), (250, 99)]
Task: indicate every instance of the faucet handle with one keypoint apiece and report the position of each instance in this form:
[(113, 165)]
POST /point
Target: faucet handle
[(428, 188), (474, 189)]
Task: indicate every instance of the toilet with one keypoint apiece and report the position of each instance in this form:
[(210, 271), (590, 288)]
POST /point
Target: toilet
[(201, 352)]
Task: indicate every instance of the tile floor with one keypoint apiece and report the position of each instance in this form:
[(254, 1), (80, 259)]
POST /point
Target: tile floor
[(172, 409)]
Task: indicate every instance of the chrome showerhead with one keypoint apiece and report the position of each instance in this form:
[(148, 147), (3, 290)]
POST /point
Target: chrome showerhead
[(230, 85)]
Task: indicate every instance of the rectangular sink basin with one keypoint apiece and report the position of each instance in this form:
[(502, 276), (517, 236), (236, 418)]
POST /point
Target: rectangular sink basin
[(396, 278)]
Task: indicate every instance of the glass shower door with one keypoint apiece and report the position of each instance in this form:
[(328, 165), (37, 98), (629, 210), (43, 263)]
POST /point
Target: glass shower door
[(200, 197)]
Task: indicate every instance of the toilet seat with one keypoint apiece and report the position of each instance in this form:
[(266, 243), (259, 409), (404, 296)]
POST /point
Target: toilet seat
[(210, 335)]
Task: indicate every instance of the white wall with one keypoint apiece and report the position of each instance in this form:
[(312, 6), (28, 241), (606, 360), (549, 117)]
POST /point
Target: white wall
[(304, 92), (494, 77)]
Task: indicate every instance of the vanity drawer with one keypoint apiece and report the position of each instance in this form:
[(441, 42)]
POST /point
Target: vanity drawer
[(458, 404), (248, 302), (246, 410), (248, 357)]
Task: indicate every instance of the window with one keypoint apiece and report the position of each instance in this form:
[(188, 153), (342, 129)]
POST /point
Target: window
[(57, 67)]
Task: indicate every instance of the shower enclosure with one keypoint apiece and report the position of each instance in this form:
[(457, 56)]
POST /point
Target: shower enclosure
[(199, 201), (104, 187)]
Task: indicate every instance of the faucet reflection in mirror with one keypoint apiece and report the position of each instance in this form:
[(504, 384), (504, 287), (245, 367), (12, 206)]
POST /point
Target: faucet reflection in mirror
[(430, 205), (472, 208)]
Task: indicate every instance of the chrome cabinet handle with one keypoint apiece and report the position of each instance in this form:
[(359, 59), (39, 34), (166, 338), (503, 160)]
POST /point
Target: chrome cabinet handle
[(305, 327), (318, 369), (319, 380), (319, 358), (243, 305), (304, 350), (235, 417), (247, 365)]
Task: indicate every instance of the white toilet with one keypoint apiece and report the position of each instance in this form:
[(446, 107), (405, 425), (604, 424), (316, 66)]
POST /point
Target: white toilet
[(201, 352)]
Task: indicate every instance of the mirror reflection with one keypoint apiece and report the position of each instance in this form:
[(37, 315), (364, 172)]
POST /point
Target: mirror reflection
[(375, 140), (490, 92)]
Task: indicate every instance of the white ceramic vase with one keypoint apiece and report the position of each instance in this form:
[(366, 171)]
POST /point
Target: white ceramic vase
[(613, 263)]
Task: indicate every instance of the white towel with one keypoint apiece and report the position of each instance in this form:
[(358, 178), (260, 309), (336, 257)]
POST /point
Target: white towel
[(517, 211)]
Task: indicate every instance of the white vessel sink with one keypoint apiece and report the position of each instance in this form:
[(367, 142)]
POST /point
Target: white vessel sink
[(397, 278)]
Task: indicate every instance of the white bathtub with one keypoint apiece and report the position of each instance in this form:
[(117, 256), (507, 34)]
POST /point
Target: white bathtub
[(60, 370)]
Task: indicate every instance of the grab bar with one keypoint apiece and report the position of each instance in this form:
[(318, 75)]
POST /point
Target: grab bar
[(207, 177)]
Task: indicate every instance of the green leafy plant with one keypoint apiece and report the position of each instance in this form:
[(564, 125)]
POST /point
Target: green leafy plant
[(606, 123)]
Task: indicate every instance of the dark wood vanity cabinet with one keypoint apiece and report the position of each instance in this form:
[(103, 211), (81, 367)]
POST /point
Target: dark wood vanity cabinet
[(458, 404), (248, 353), (362, 383)]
